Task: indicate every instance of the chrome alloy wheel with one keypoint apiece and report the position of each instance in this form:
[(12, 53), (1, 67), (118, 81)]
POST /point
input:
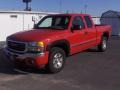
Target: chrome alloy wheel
[(58, 60), (104, 44)]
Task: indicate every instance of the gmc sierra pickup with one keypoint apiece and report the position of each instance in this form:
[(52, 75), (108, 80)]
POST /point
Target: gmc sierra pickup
[(54, 38)]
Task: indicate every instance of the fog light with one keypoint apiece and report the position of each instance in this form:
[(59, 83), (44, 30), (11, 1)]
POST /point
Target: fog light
[(29, 61)]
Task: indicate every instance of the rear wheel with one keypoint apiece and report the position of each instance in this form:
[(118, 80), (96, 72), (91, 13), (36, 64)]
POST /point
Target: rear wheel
[(103, 45), (56, 60)]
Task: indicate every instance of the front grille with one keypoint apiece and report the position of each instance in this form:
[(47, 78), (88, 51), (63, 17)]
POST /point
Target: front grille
[(16, 46)]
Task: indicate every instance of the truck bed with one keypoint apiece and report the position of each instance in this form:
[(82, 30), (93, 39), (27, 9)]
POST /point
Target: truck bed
[(103, 27)]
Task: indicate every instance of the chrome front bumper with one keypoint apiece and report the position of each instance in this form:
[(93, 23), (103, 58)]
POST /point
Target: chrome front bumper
[(13, 55)]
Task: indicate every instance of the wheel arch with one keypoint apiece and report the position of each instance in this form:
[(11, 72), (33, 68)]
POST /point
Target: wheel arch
[(64, 44), (106, 34)]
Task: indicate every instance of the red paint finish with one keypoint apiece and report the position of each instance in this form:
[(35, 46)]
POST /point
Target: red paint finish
[(41, 60), (78, 40)]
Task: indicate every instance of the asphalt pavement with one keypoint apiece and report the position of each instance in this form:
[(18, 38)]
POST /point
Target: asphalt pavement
[(88, 70)]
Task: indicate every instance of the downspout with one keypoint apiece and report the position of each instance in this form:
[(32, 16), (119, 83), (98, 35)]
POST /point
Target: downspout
[(23, 21)]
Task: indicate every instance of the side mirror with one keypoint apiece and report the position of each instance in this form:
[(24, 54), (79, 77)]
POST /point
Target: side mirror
[(35, 26)]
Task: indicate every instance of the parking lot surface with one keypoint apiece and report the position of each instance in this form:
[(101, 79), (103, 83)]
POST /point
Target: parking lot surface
[(88, 70)]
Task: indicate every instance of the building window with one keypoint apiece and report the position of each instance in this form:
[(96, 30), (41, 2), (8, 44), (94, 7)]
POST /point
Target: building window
[(13, 16)]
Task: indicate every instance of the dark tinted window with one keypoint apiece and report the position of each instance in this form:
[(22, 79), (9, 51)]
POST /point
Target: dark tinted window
[(88, 22), (78, 23)]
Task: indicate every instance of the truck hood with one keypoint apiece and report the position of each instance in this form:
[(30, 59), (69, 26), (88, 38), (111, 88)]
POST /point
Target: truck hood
[(35, 35)]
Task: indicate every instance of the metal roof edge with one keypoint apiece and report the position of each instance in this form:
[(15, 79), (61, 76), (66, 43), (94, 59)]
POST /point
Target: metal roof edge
[(27, 12)]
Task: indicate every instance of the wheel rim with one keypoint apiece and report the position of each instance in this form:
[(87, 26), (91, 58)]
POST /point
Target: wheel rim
[(58, 60), (104, 44)]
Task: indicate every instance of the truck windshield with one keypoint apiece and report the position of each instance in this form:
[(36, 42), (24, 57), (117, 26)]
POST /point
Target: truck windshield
[(54, 22)]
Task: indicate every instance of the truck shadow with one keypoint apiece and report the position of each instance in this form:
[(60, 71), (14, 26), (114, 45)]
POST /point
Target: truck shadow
[(92, 50), (8, 67)]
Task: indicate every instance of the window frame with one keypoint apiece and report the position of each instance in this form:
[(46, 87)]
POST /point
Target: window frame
[(88, 21)]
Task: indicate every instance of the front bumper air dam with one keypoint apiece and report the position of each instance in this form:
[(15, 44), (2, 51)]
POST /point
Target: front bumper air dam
[(39, 59)]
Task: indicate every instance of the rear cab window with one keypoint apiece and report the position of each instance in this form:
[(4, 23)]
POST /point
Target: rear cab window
[(78, 23), (88, 22)]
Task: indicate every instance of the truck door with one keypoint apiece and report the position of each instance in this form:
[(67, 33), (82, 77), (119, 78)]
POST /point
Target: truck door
[(90, 32), (77, 36)]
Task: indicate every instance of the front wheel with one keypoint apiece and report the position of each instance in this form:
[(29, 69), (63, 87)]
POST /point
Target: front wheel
[(56, 60), (103, 45)]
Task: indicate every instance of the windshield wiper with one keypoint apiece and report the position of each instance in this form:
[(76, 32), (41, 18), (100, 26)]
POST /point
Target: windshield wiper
[(51, 27), (56, 27)]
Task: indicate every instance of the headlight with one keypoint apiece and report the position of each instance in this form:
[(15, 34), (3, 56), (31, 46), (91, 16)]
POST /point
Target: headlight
[(36, 47)]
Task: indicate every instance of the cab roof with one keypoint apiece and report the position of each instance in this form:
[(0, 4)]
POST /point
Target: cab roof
[(70, 14)]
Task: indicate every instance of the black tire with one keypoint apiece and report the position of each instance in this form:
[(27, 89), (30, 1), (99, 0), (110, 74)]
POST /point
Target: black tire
[(57, 58), (103, 45)]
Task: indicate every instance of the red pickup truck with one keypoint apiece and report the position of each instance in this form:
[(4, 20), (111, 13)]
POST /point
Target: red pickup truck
[(54, 38)]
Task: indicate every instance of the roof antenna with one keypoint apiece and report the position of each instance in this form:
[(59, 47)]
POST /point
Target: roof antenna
[(85, 7)]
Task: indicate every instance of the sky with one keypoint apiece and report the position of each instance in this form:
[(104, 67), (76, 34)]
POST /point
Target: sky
[(93, 7)]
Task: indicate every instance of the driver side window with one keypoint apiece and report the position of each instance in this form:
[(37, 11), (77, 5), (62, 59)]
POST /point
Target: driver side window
[(78, 23)]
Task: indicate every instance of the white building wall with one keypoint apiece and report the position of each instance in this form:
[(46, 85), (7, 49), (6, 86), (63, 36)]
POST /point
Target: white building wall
[(11, 22), (29, 20), (96, 20), (9, 25)]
